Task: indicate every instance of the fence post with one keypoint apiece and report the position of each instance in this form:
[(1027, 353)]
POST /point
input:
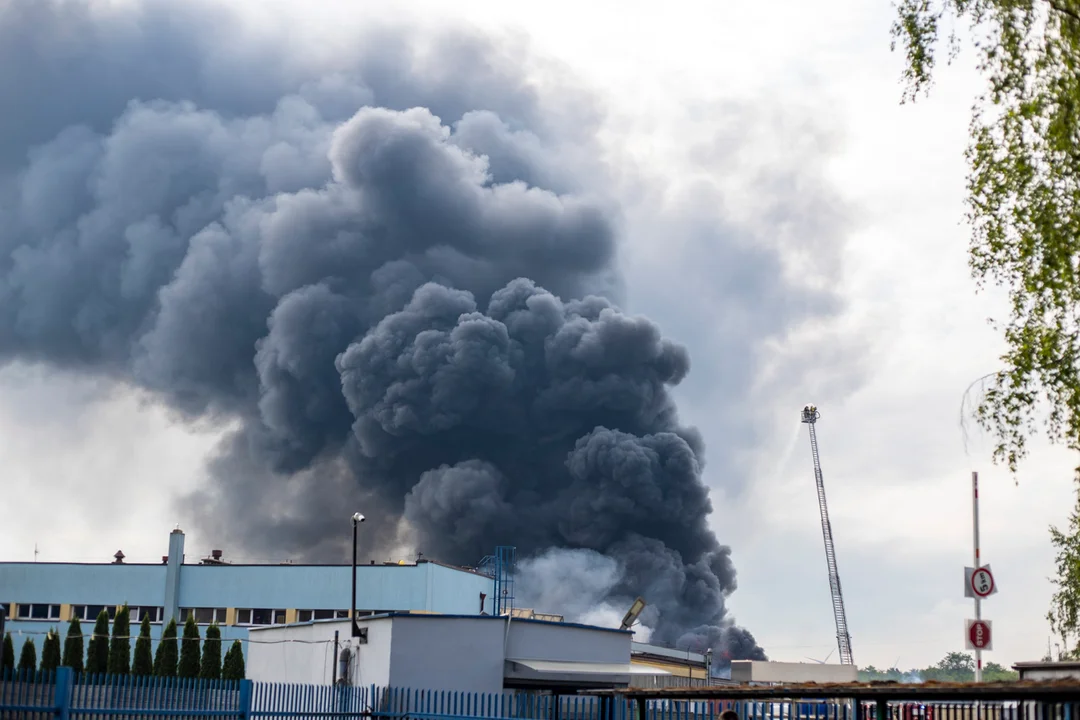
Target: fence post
[(245, 700), (62, 692)]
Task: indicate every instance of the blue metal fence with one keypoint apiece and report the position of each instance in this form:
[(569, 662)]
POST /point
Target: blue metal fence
[(395, 703), (64, 695)]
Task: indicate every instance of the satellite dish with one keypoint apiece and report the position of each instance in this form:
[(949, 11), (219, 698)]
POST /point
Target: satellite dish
[(632, 614)]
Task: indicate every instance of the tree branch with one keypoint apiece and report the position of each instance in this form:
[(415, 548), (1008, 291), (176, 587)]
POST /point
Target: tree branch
[(1069, 12)]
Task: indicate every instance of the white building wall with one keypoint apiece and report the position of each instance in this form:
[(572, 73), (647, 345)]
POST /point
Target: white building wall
[(304, 654), (530, 640), (447, 653), (784, 672), (307, 662), (425, 651), (371, 661), (1048, 671)]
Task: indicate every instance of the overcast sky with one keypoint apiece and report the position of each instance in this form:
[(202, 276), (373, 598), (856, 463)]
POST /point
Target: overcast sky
[(748, 97)]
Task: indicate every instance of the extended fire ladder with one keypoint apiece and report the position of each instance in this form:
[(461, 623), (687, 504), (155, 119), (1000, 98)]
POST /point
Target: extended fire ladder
[(810, 415)]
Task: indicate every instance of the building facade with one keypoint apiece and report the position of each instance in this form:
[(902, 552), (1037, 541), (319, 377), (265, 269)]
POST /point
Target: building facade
[(473, 654), (772, 673), (42, 596), (1042, 670), (673, 668)]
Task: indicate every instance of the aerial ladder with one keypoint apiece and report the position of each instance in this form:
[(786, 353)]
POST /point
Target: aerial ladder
[(810, 415)]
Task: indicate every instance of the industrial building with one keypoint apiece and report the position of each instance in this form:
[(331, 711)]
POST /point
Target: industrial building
[(671, 668), (1048, 670), (760, 672), (482, 643), (42, 596), (470, 653)]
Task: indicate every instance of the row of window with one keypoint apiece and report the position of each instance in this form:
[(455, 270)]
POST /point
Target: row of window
[(244, 616), (87, 613), (203, 616), (308, 615), (38, 611)]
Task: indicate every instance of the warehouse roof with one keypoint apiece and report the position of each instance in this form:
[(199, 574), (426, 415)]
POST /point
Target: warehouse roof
[(347, 566), (381, 616), (1064, 689)]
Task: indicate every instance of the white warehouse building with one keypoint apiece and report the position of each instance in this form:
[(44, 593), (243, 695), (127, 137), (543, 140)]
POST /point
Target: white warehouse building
[(469, 653), (761, 672)]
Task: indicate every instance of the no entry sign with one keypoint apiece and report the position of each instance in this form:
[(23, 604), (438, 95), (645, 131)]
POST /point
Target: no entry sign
[(979, 635)]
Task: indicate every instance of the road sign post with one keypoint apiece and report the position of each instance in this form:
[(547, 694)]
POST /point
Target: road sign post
[(978, 600), (979, 583)]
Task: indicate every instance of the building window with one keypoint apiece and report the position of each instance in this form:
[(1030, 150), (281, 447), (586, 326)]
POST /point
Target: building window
[(154, 613), (86, 612), (260, 616), (39, 611), (89, 613), (204, 616), (309, 615)]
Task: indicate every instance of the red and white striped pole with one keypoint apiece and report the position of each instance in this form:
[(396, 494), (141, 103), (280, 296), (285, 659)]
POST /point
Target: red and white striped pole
[(978, 602)]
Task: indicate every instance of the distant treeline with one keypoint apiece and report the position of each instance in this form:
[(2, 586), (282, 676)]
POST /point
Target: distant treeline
[(112, 655), (954, 667)]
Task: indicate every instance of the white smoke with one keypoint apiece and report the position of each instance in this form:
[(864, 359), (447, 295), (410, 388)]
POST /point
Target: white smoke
[(576, 584)]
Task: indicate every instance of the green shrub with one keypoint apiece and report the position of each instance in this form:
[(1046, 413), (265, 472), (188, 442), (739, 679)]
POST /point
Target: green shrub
[(120, 647), (165, 659), (143, 664), (97, 652), (50, 652), (233, 668), (189, 650), (210, 668), (28, 657), (73, 646)]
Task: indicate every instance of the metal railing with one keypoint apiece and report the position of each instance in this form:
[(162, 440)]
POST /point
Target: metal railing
[(64, 695)]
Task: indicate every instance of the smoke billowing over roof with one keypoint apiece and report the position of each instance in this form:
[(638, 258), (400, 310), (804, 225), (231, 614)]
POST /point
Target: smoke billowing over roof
[(392, 274)]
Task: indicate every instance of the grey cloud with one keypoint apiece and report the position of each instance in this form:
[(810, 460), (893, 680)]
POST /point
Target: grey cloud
[(393, 271), (756, 231), (546, 421), (465, 502)]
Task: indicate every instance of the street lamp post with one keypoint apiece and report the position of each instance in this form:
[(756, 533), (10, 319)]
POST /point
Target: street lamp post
[(357, 518)]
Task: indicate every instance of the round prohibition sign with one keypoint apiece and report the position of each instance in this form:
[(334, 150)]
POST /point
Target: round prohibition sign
[(982, 582)]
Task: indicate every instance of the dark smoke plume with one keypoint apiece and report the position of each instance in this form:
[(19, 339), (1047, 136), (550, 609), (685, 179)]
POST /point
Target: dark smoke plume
[(388, 273)]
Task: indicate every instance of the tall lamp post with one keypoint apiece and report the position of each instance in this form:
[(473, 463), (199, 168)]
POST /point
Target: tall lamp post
[(357, 518)]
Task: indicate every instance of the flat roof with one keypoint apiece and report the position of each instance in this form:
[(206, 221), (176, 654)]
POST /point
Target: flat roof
[(384, 616), (1062, 689), (660, 651), (570, 667), (1047, 665), (472, 571)]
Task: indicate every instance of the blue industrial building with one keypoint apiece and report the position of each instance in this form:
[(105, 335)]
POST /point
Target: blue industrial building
[(42, 596)]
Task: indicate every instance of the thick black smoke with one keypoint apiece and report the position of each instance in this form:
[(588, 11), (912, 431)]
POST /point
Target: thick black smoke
[(389, 276)]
